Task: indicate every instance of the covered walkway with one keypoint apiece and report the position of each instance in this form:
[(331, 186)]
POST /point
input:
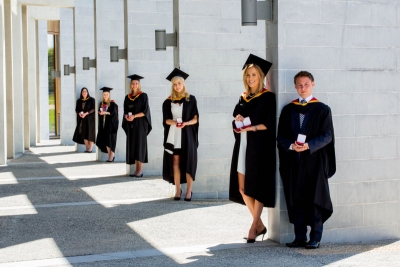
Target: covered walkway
[(62, 208)]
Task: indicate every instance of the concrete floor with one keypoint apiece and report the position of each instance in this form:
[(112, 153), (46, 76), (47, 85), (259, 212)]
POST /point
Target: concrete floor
[(62, 208)]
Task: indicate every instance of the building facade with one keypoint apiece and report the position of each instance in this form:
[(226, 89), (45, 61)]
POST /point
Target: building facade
[(351, 47)]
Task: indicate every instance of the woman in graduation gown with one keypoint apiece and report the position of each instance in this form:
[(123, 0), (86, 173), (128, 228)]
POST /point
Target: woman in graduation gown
[(137, 125), (85, 123), (181, 126), (252, 178), (107, 125)]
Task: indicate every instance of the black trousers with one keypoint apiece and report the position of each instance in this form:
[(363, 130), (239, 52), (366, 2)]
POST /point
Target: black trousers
[(307, 215)]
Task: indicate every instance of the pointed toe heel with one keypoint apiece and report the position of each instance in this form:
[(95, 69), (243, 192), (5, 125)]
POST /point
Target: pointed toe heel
[(189, 199)]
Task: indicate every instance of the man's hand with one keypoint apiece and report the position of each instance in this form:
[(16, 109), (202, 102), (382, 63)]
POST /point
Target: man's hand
[(300, 148)]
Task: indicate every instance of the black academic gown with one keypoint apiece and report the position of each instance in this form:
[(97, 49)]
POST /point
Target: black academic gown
[(260, 150), (137, 130), (107, 131), (189, 141), (305, 175), (85, 128)]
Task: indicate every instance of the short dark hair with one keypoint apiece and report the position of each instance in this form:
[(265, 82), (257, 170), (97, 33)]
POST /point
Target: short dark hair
[(303, 73), (83, 88)]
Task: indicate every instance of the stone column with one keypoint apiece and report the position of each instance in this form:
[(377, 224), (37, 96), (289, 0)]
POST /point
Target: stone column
[(68, 91), (110, 32), (17, 76), (144, 17), (84, 47), (213, 47), (8, 80), (3, 106)]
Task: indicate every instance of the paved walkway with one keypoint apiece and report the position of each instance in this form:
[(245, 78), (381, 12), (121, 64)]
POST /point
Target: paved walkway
[(62, 208)]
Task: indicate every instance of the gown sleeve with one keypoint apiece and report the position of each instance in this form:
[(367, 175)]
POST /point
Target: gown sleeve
[(146, 112)]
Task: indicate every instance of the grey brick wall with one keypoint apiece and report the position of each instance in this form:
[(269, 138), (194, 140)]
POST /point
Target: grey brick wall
[(351, 47)]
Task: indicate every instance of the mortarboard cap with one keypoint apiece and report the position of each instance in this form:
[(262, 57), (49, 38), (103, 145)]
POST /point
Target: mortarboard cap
[(135, 77), (106, 89), (262, 63), (177, 72)]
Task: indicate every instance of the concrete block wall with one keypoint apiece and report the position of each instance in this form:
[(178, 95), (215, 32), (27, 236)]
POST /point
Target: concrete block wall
[(43, 79), (84, 33), (213, 47), (144, 17), (68, 90), (351, 47), (110, 32)]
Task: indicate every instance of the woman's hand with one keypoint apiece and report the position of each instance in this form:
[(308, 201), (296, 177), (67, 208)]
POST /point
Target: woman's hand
[(129, 118), (239, 117), (83, 115)]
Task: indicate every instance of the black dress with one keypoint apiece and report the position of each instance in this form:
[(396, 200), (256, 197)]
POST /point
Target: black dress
[(189, 141), (107, 128), (137, 130), (85, 128), (305, 175), (260, 158)]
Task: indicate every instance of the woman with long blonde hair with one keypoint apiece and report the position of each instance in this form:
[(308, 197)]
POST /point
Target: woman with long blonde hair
[(137, 125), (252, 178), (181, 127), (107, 125)]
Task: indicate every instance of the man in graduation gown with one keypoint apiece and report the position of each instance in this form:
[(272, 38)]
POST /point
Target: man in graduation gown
[(306, 165)]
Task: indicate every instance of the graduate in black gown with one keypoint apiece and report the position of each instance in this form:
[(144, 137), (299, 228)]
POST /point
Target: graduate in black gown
[(107, 125), (85, 121), (252, 178), (137, 125), (306, 165), (181, 127)]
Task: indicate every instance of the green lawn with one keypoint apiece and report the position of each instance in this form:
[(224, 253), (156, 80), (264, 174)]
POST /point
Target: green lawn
[(52, 115)]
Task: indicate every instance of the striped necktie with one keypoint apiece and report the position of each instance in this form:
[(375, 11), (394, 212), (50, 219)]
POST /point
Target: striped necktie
[(301, 114)]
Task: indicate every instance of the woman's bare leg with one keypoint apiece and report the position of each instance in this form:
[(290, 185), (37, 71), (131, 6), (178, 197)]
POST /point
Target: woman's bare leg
[(110, 154), (177, 175), (139, 167), (189, 181)]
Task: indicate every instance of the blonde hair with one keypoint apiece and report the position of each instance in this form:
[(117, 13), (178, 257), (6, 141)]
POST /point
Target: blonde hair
[(139, 86), (109, 99), (261, 75), (175, 94)]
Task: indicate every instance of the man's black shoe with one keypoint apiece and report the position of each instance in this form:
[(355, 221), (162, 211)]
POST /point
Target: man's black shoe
[(312, 245), (297, 244)]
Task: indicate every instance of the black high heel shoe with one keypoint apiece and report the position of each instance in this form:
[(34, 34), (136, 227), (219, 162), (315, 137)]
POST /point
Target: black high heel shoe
[(176, 198), (189, 199), (263, 232)]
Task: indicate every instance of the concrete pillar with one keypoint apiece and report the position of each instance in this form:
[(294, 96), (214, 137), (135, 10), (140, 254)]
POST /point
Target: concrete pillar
[(17, 77), (8, 79), (110, 31), (144, 17), (31, 81), (43, 79), (27, 111), (213, 47), (3, 107), (32, 86), (68, 92), (84, 47)]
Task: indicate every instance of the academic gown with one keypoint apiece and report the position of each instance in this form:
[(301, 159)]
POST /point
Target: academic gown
[(189, 141), (107, 133), (137, 130), (305, 174), (85, 128), (260, 151)]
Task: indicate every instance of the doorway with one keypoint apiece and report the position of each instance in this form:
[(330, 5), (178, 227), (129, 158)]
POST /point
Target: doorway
[(53, 33)]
